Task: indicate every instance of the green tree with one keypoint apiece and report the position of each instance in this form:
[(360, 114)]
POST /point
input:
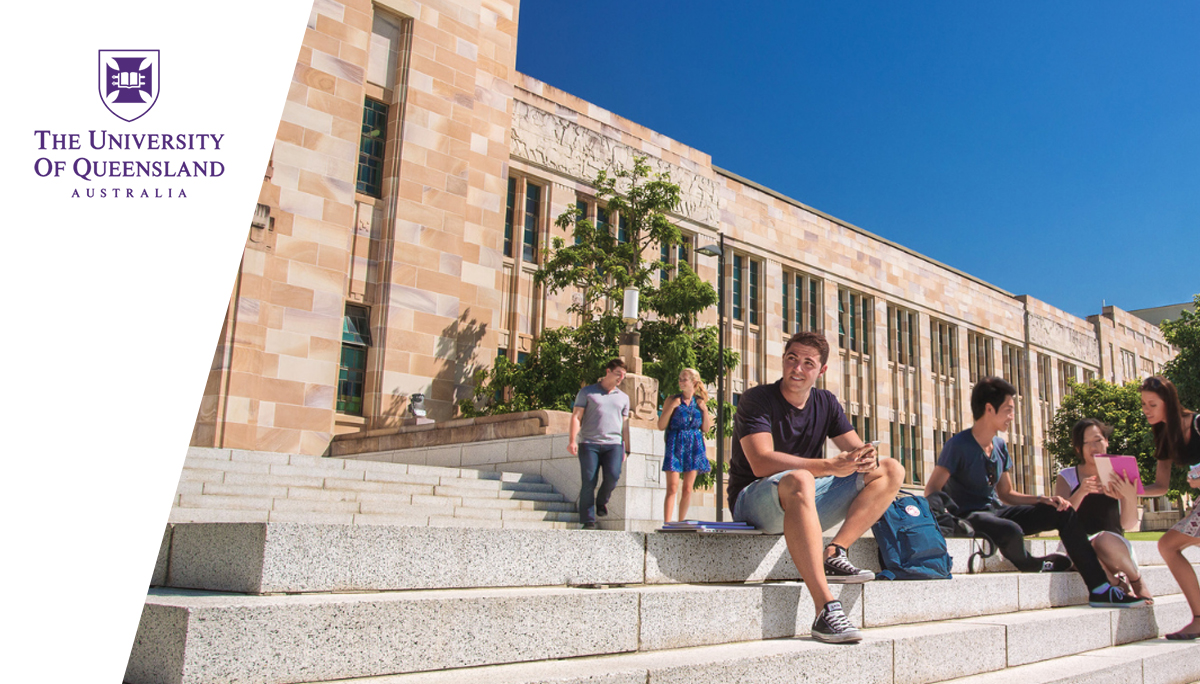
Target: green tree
[(1119, 406), (1184, 370), (598, 267)]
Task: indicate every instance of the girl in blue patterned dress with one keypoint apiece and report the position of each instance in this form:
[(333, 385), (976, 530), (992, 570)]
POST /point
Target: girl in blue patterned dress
[(685, 419)]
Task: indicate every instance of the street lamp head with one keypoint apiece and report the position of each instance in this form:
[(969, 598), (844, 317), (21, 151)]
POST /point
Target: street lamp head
[(630, 309), (709, 250)]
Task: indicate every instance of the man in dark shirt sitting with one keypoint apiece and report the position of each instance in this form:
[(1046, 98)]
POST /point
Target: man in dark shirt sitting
[(780, 480)]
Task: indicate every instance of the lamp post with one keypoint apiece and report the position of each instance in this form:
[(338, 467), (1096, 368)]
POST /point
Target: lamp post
[(718, 250)]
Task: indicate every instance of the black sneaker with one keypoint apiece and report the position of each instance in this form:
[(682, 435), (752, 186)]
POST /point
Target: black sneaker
[(1113, 597), (588, 526), (839, 569), (832, 627), (1056, 562), (602, 509)]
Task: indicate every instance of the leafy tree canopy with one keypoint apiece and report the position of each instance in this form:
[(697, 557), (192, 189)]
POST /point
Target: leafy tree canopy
[(1184, 370)]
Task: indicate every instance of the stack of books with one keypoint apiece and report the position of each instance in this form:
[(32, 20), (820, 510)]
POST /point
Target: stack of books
[(708, 527)]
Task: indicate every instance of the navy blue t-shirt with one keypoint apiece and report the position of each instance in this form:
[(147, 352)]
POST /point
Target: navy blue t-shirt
[(973, 474), (800, 432)]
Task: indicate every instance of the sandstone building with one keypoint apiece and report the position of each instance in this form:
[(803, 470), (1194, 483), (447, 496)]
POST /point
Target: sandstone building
[(414, 178)]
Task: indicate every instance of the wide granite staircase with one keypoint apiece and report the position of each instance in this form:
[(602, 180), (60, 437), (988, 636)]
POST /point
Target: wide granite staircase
[(277, 603), (232, 485)]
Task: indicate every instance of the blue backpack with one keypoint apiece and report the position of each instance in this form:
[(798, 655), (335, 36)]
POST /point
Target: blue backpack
[(911, 545)]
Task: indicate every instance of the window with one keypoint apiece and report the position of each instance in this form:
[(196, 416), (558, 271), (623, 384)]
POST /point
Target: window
[(524, 209), (901, 324), (673, 257), (856, 323), (800, 302), (356, 340), (385, 64), (752, 301), (737, 287), (533, 206), (944, 338), (980, 363), (947, 413), (1128, 365), (1020, 443), (1088, 376), (1067, 374), (371, 148)]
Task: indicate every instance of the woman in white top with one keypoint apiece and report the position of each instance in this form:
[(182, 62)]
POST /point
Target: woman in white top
[(1105, 513)]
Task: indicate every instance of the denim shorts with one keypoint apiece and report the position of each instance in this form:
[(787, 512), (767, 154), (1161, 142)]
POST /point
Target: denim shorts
[(758, 504)]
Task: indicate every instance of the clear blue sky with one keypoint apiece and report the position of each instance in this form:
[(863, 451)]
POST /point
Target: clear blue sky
[(1051, 149)]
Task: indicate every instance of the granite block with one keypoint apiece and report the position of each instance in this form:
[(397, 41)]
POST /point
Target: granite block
[(293, 558), (679, 557), (158, 653), (217, 556), (788, 608), (677, 616), (484, 453), (1050, 590), (276, 639), (1034, 636), (782, 661), (891, 603), (1168, 614), (933, 651), (1168, 662), (159, 577)]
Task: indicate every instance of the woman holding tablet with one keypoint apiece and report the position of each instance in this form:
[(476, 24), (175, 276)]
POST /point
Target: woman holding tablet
[(1105, 512), (1176, 442)]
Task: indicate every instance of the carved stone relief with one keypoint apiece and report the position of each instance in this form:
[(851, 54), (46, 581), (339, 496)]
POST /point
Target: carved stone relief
[(1046, 332), (553, 142)]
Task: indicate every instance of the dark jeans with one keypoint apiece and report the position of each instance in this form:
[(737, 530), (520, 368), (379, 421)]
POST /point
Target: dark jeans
[(592, 459), (1008, 525)]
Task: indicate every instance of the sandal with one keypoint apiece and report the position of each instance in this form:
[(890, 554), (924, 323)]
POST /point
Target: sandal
[(1139, 590), (1184, 636)]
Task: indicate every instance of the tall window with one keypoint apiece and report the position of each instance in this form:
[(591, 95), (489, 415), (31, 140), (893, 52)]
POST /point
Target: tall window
[(673, 255), (752, 298), (1020, 443), (1128, 365), (737, 287), (800, 303), (389, 48), (524, 209), (856, 325), (1067, 374), (980, 363), (947, 412), (906, 391), (371, 147), (1046, 405), (352, 370)]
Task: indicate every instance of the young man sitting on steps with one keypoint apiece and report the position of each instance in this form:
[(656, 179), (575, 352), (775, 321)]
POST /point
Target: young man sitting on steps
[(973, 470), (780, 480)]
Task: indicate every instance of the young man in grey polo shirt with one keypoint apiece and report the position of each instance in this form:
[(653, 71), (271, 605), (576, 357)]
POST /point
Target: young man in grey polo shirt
[(600, 438)]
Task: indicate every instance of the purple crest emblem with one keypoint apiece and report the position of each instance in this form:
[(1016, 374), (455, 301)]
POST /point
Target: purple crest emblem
[(129, 81)]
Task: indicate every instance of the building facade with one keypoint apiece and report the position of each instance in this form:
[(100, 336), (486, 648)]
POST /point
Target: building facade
[(415, 179)]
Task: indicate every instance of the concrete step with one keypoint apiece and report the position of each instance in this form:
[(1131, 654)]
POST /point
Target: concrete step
[(217, 637), (229, 485), (772, 662), (280, 557)]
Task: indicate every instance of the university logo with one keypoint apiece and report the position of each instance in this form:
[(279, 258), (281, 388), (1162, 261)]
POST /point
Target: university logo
[(129, 81)]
